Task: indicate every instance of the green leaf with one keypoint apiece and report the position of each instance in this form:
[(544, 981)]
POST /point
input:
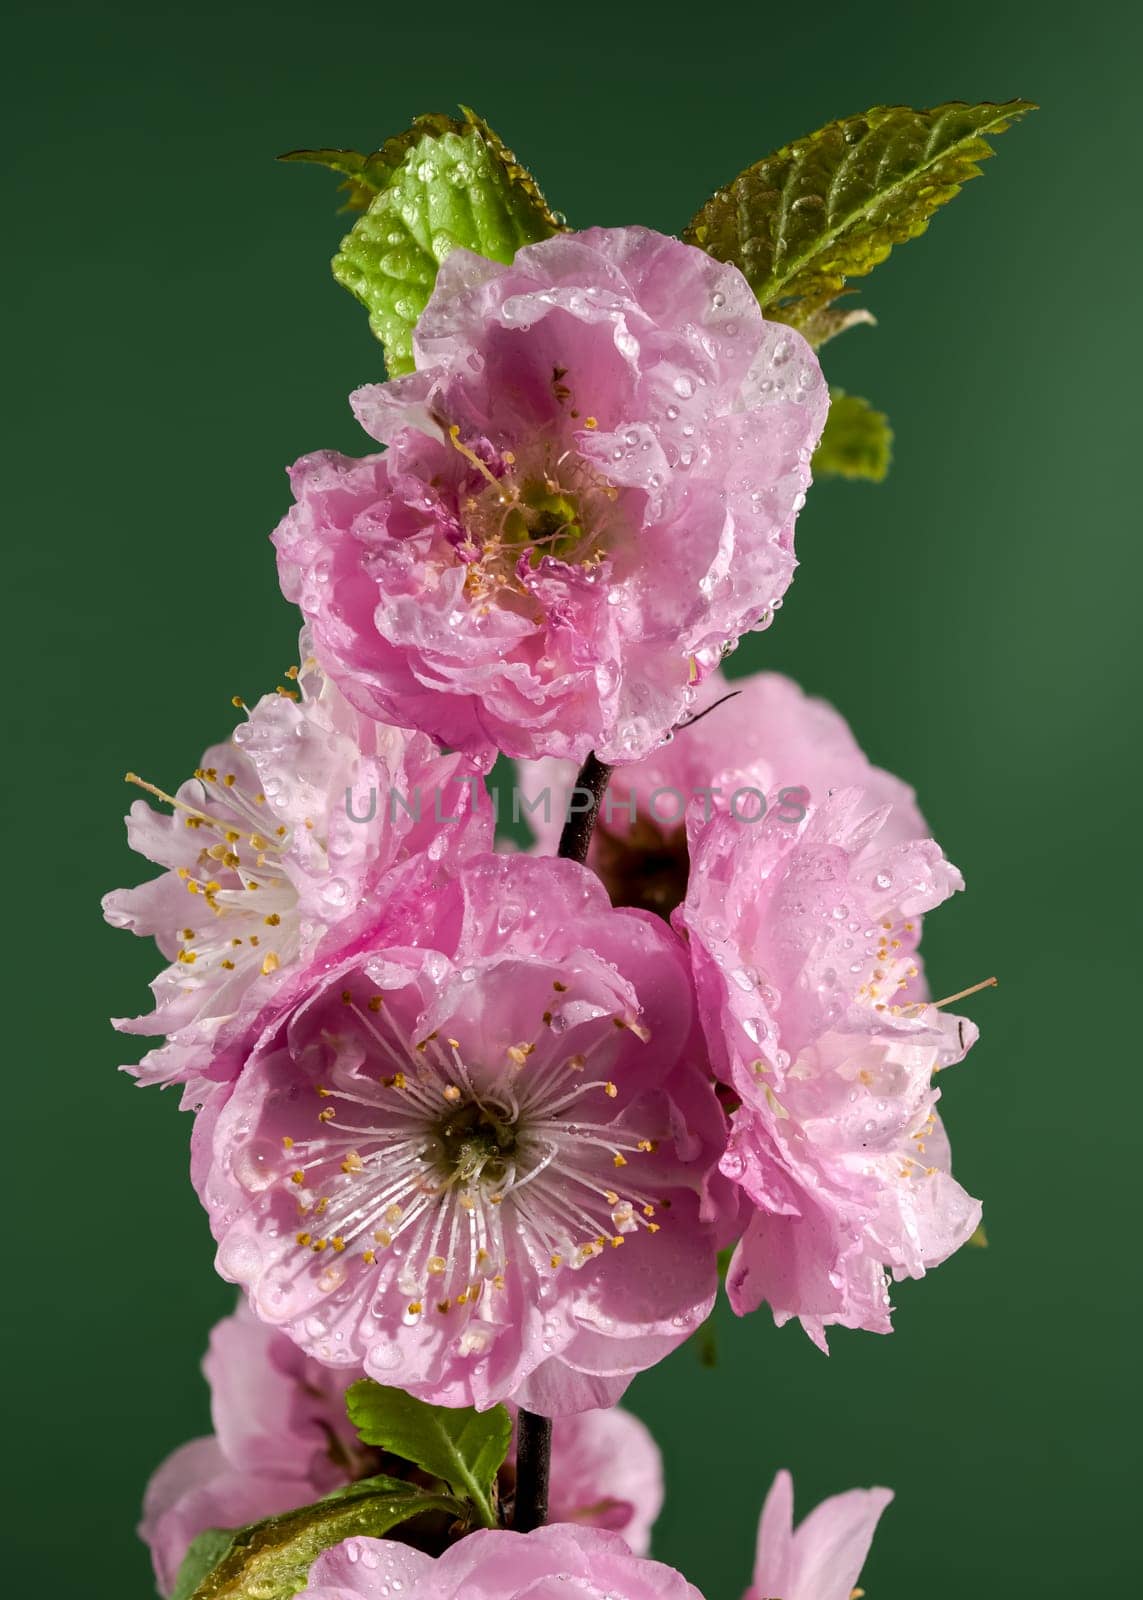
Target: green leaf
[(827, 322), (978, 1237), (463, 1447), (456, 186), (832, 206), (857, 441), (270, 1559), (365, 176), (204, 1553)]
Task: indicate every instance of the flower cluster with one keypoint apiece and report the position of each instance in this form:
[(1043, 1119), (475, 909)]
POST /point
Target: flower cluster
[(281, 1439), (476, 1124), (819, 1560)]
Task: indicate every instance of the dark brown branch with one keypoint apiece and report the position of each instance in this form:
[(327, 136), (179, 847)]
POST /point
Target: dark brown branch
[(533, 1463), (583, 809)]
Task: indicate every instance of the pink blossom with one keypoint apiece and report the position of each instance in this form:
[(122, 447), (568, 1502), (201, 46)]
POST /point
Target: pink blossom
[(768, 746), (589, 492), (493, 1565), (273, 851), (822, 1559), (282, 1439), (804, 947), (430, 1168)]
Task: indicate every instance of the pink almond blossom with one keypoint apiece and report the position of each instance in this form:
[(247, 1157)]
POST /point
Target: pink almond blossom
[(494, 1565), (273, 852), (767, 745), (282, 1439), (822, 1558), (589, 493), (804, 948), (479, 1162)]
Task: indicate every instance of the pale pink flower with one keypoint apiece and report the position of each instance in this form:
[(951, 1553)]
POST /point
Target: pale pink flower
[(803, 941), (589, 493), (494, 1565), (274, 851), (478, 1161), (769, 746), (821, 1559), (282, 1439)]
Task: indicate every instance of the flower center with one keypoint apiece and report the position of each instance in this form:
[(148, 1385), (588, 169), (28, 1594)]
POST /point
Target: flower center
[(647, 866), (443, 1175), (558, 507), (475, 1146)]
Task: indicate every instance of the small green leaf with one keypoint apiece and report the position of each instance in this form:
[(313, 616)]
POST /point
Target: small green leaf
[(456, 186), (269, 1560), (365, 176), (204, 1553), (978, 1237), (826, 323), (857, 441), (463, 1447), (832, 206)]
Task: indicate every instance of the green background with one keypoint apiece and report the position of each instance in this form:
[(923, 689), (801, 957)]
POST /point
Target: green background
[(175, 340)]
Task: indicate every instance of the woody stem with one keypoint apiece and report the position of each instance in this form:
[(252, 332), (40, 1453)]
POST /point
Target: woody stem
[(533, 1462), (583, 809)]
